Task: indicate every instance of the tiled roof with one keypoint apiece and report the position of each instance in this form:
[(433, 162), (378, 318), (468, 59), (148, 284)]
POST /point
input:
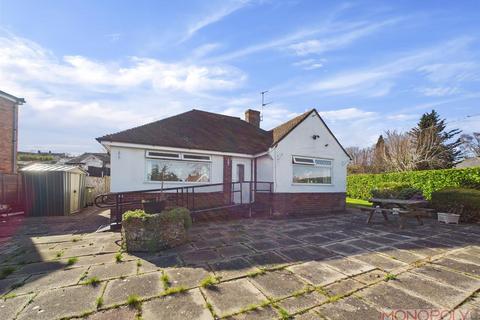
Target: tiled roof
[(197, 129), (278, 133), (203, 130), (105, 157)]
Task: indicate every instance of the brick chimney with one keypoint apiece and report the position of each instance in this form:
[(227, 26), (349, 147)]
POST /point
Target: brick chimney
[(253, 117)]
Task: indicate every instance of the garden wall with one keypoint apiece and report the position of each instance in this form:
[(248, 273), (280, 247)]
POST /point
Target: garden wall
[(360, 185)]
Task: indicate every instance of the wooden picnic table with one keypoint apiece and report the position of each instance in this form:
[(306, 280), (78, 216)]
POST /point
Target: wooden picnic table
[(403, 208)]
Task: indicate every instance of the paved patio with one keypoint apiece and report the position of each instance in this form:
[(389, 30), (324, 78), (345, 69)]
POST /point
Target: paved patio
[(330, 267)]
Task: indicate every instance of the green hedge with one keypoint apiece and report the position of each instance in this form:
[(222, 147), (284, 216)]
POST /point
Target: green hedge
[(360, 185), (466, 202)]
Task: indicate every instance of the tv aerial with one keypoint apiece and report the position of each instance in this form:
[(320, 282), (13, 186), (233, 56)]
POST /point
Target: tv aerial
[(264, 104)]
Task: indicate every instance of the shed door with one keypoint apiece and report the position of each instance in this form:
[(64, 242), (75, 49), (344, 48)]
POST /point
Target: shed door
[(74, 192)]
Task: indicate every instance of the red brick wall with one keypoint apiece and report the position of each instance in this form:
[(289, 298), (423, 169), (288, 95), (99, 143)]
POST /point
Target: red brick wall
[(6, 131), (227, 178), (303, 203), (202, 200)]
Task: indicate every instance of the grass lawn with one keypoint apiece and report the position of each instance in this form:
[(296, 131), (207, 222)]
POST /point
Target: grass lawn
[(351, 202)]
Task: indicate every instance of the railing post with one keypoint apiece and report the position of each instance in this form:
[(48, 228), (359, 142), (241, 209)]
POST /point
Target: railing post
[(193, 198), (241, 192)]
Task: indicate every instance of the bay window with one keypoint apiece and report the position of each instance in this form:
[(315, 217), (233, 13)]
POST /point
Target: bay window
[(189, 168)]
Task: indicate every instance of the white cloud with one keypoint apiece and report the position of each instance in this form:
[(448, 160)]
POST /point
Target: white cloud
[(347, 114), (217, 14), (338, 40), (309, 64), (376, 81), (457, 71), (72, 91), (439, 91)]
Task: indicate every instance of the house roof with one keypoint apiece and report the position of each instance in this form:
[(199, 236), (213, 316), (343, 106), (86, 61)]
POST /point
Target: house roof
[(105, 157), (42, 167), (12, 98), (203, 130), (198, 129), (469, 163)]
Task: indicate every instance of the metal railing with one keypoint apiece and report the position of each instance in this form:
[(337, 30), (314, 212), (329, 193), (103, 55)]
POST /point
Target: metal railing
[(193, 197)]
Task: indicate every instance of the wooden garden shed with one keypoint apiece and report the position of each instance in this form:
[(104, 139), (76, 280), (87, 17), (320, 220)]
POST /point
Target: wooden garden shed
[(53, 190)]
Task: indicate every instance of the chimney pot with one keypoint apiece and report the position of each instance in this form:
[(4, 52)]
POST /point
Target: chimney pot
[(253, 117)]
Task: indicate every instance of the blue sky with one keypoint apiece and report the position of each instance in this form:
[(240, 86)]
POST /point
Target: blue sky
[(88, 68)]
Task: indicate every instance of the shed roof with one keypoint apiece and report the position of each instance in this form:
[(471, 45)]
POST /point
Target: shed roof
[(45, 167)]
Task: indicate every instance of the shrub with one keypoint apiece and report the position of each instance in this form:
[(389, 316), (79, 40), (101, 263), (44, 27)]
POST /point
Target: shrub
[(453, 199), (139, 214), (174, 214), (397, 191), (360, 186)]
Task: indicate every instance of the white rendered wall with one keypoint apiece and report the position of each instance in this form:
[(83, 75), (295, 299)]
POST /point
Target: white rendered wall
[(265, 168), (128, 171), (299, 142)]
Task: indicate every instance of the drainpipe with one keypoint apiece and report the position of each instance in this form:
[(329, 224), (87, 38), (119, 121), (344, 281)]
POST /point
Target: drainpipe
[(17, 103), (14, 137)]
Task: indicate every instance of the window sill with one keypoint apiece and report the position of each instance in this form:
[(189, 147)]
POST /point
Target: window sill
[(313, 184), (174, 182)]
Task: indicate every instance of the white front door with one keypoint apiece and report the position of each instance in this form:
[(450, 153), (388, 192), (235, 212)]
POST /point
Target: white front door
[(241, 175)]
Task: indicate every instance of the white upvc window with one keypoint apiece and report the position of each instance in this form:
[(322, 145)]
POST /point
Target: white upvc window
[(177, 167), (310, 170)]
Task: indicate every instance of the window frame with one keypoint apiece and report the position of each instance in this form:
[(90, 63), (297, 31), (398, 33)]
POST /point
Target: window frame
[(295, 162), (180, 159)]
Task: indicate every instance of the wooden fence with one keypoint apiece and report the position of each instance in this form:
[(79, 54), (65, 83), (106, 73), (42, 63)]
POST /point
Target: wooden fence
[(10, 189)]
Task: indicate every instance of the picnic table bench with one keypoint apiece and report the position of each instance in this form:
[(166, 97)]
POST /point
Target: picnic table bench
[(403, 208)]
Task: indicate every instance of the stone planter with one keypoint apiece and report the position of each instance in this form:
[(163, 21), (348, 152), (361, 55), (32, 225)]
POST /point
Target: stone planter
[(153, 233)]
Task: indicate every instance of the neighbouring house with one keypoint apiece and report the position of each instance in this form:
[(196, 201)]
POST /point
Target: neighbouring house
[(302, 159), (96, 164), (469, 163), (9, 131)]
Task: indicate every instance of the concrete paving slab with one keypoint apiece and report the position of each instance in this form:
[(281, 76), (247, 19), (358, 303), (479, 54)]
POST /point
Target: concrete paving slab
[(455, 279), (401, 255), (434, 291), (298, 254), (349, 308), (200, 256), (113, 270), (310, 315), (234, 251), (371, 276), (233, 268), (144, 286), (121, 313), (62, 303), (8, 284), (231, 297), (349, 267), (186, 305), (343, 287), (265, 313), (300, 303), (57, 279), (316, 273), (267, 260), (458, 265), (9, 308), (388, 297), (278, 284), (187, 277), (380, 261), (344, 249)]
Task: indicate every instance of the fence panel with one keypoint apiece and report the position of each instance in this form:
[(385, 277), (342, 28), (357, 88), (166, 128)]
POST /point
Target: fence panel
[(10, 189)]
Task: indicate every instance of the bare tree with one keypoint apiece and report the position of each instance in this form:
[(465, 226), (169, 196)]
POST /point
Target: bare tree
[(470, 145), (399, 152)]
